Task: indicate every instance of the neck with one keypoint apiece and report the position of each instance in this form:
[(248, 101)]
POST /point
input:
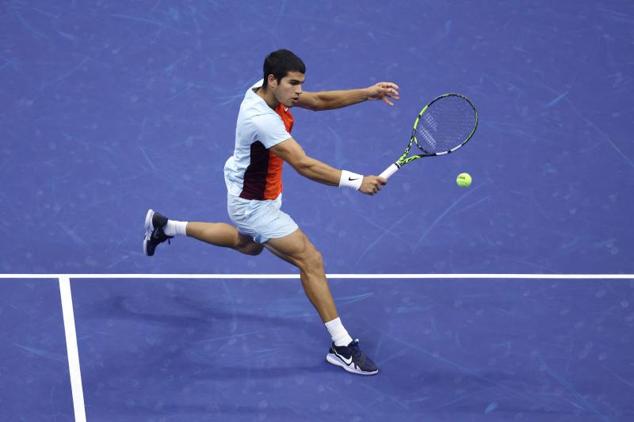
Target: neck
[(268, 97)]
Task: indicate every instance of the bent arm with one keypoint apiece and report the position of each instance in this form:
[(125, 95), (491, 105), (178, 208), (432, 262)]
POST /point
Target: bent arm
[(291, 152)]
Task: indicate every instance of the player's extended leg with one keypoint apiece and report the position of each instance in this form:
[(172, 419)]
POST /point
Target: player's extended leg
[(158, 231), (297, 249)]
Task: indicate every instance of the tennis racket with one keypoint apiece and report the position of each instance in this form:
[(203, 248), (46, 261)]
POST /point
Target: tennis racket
[(442, 126)]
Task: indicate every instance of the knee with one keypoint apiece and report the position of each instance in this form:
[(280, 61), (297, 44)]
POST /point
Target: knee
[(255, 250), (248, 246), (252, 249), (312, 260)]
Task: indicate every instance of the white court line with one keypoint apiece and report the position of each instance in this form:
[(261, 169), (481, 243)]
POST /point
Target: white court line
[(69, 317), (72, 350), (330, 276)]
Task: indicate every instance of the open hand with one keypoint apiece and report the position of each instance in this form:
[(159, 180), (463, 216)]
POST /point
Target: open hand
[(385, 91)]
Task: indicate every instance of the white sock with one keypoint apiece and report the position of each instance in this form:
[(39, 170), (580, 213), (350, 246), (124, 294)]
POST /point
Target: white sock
[(338, 332), (173, 227)]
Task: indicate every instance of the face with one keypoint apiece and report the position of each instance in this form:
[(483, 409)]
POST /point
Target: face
[(288, 90)]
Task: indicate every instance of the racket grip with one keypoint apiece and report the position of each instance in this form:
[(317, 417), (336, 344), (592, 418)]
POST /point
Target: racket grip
[(393, 168)]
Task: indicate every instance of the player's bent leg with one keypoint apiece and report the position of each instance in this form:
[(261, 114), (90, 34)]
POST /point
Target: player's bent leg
[(223, 235), (218, 234), (297, 249)]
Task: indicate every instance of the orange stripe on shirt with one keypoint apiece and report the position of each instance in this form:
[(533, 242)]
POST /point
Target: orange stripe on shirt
[(274, 172)]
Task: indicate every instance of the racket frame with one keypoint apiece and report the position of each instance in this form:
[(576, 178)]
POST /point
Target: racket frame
[(405, 158)]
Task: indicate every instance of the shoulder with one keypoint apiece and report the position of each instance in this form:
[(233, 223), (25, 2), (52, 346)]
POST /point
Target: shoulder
[(257, 112), (266, 121)]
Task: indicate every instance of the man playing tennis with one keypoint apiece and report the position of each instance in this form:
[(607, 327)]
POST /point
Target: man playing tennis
[(253, 175)]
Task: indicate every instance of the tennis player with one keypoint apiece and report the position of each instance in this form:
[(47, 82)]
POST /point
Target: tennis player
[(253, 175)]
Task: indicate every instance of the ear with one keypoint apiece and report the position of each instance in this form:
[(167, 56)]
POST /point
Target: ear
[(271, 81)]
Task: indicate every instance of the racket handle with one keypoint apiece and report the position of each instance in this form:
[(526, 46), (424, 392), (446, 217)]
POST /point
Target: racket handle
[(393, 168)]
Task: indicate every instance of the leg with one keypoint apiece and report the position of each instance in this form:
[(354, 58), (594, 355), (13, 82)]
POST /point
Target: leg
[(224, 235), (299, 251), (158, 229)]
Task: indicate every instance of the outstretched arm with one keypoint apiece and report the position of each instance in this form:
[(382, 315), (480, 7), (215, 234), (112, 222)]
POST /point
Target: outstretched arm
[(291, 152), (328, 100)]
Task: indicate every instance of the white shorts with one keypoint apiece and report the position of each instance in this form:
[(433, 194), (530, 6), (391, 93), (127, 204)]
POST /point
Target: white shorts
[(261, 220)]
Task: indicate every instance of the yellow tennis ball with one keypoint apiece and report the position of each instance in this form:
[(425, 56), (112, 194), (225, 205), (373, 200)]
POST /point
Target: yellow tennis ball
[(463, 180)]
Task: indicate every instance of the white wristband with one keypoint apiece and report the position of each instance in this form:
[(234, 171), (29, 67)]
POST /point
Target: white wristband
[(350, 180)]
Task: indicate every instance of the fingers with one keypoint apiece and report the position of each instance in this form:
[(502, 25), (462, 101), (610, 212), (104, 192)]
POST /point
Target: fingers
[(390, 85), (393, 93), (375, 189), (375, 185), (388, 90)]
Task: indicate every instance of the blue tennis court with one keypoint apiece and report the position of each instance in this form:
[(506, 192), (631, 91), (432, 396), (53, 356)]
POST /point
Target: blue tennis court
[(508, 300)]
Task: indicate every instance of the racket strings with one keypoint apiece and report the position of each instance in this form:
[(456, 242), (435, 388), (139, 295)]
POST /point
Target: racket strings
[(446, 124)]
